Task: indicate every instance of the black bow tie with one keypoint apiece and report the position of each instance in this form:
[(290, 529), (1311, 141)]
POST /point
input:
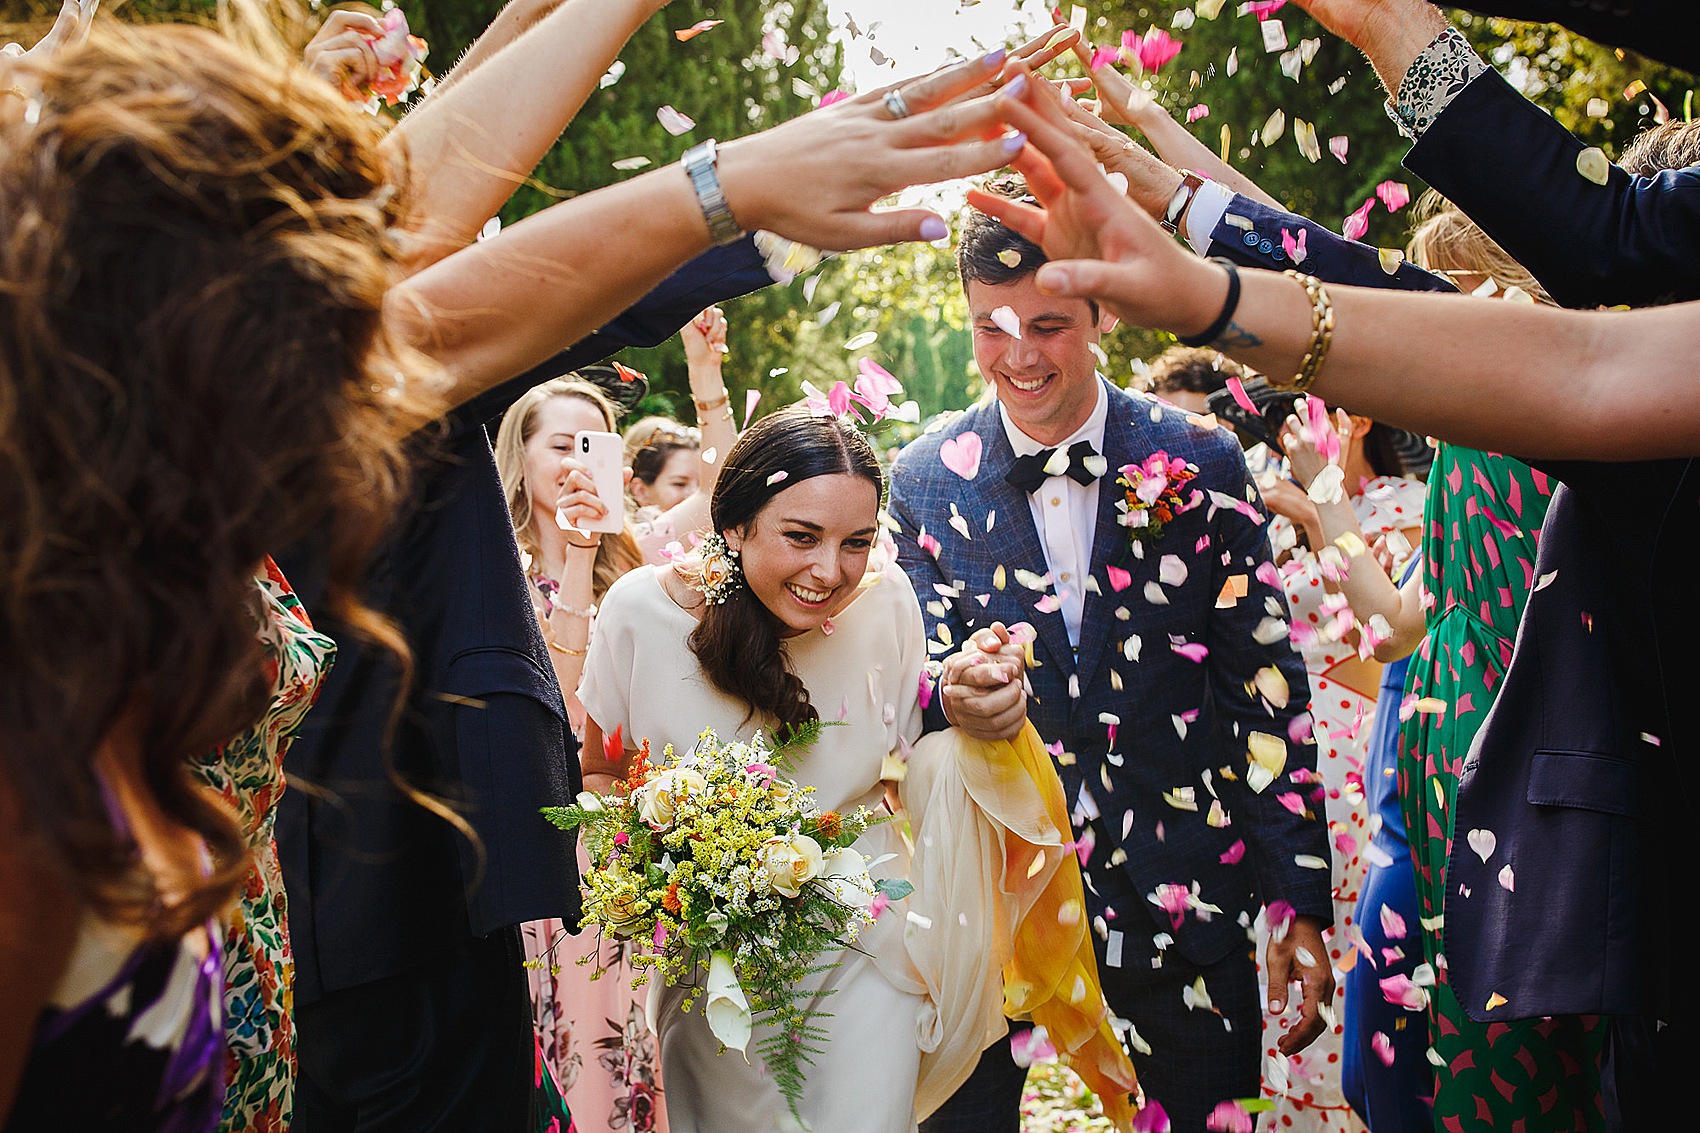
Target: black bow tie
[(1029, 471)]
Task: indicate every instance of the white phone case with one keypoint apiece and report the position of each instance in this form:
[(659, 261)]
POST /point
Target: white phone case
[(602, 455)]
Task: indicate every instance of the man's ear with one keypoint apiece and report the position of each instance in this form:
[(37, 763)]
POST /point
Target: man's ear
[(1107, 322)]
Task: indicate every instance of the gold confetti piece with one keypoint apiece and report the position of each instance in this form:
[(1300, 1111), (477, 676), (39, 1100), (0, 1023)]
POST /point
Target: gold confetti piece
[(1218, 816), (1305, 135), (1118, 856), (1070, 912), (1496, 1000), (1209, 9), (1592, 164), (1009, 258), (1274, 126), (1635, 88), (629, 163), (1037, 866), (1351, 544), (998, 578), (1390, 259)]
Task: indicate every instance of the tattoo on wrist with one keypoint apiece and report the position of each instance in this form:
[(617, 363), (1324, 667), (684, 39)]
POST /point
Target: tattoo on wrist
[(1237, 337)]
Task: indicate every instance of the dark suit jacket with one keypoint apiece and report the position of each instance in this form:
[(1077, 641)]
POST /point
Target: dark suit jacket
[(1126, 665), (1576, 768), (376, 882), (1668, 30)]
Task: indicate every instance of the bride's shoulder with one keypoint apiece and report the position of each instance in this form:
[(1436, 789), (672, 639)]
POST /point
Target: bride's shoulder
[(887, 588), (638, 590)]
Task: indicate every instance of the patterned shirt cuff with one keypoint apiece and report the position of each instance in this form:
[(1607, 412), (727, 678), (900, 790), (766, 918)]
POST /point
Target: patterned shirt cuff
[(1436, 76)]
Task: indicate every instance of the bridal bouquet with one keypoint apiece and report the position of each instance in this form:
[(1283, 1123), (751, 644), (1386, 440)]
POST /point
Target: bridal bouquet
[(716, 862)]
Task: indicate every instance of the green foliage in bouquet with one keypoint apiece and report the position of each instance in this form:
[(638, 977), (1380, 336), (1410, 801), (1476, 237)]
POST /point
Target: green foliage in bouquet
[(739, 885)]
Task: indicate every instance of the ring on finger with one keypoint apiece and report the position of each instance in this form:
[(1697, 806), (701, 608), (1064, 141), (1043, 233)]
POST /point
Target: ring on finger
[(897, 104)]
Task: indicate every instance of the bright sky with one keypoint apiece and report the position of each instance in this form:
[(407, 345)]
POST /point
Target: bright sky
[(917, 34)]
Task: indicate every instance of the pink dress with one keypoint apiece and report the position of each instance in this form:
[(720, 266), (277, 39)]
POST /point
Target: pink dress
[(1306, 1088), (591, 1032)]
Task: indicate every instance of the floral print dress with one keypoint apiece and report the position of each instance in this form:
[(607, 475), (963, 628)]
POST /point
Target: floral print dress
[(258, 964)]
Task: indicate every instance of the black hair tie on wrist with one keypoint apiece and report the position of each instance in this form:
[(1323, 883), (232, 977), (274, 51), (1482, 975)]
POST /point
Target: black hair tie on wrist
[(1229, 306)]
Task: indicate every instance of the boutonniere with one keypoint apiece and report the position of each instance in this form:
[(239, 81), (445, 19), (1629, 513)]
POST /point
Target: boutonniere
[(1155, 491)]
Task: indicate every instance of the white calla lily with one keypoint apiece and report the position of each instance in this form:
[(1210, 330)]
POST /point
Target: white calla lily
[(724, 1004)]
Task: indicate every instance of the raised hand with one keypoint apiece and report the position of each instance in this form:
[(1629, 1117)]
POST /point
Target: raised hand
[(1100, 244), (1390, 32), (69, 28), (705, 338), (815, 179), (341, 53)]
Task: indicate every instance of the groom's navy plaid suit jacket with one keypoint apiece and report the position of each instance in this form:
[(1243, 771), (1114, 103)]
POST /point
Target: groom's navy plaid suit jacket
[(1127, 666)]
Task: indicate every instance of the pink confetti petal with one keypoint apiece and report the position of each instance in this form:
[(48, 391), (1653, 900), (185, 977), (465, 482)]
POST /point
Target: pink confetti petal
[(1383, 1047), (696, 29), (1103, 57), (1229, 1117), (1151, 1118), (1263, 9), (1392, 924), (1358, 223), (1338, 146), (833, 96), (1394, 194), (962, 455), (674, 122), (1151, 50), (1119, 579), (1241, 397), (1194, 113), (1007, 321), (1234, 853), (1401, 992), (1193, 651), (1295, 249)]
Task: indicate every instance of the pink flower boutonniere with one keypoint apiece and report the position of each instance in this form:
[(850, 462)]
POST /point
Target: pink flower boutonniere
[(1156, 492)]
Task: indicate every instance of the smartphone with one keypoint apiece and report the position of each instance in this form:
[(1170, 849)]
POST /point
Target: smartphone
[(603, 455)]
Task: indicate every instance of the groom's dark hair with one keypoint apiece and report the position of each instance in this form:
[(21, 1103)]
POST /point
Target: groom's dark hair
[(992, 253)]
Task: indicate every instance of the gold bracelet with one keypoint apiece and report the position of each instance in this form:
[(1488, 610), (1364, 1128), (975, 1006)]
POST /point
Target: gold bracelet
[(1321, 334), (725, 399), (569, 652)]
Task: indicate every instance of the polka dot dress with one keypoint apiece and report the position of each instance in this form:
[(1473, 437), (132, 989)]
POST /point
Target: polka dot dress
[(1306, 1088)]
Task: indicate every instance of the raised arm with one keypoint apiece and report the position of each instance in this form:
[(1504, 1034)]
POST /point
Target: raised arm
[(1486, 372), (503, 305), (1513, 168), (471, 142)]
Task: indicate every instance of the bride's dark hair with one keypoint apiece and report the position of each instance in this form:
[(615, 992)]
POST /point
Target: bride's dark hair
[(737, 642)]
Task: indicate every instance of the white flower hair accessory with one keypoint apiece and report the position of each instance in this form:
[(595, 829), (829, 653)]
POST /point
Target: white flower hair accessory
[(718, 572)]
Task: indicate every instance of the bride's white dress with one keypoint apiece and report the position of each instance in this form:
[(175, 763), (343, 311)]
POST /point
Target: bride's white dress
[(642, 676)]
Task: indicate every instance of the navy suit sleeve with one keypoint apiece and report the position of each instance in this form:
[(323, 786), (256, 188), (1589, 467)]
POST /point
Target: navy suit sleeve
[(939, 617), (1275, 836), (1666, 30), (1512, 168), (1329, 256), (714, 276)]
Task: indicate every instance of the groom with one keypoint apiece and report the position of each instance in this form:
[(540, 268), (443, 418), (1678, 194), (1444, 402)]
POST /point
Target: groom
[(1162, 681)]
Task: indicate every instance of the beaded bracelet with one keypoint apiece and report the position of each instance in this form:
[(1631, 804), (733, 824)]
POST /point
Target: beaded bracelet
[(1321, 334)]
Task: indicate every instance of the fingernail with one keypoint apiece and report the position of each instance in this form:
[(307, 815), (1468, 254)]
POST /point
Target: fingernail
[(1016, 87), (1013, 144), (933, 228), (994, 58)]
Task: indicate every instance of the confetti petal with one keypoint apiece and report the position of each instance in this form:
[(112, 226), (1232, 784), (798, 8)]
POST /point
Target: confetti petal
[(865, 339), (962, 455), (696, 29), (674, 122), (629, 163), (1483, 842), (1338, 145), (1394, 194), (1358, 223), (1007, 321), (1593, 164)]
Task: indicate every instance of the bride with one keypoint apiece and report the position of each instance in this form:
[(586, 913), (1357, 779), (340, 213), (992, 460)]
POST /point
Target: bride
[(799, 621)]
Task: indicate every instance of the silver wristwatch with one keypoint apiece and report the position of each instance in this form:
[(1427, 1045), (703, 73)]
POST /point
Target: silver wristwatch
[(700, 166)]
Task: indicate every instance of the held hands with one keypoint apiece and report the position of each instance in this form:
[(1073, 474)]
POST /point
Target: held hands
[(1299, 956), (981, 688)]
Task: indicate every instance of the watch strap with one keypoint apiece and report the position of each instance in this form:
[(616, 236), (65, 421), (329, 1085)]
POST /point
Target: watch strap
[(701, 166), (1190, 184)]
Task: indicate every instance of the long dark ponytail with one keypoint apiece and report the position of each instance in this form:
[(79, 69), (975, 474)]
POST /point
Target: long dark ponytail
[(738, 641)]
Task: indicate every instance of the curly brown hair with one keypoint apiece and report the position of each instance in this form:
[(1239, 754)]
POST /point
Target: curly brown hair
[(194, 371)]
